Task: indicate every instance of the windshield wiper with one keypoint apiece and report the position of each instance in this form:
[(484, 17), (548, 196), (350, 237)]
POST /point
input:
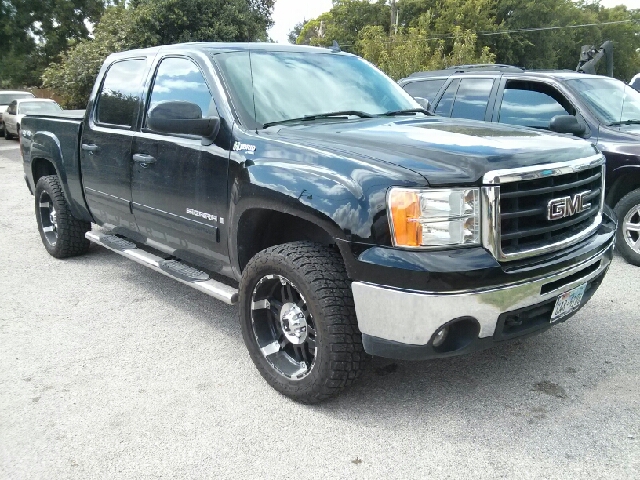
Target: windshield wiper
[(317, 116), (393, 113), (624, 122)]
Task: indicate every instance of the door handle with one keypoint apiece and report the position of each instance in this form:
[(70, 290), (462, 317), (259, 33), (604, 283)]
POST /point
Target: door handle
[(90, 148), (143, 158)]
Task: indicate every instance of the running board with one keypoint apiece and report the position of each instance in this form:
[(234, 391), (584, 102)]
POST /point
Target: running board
[(171, 268)]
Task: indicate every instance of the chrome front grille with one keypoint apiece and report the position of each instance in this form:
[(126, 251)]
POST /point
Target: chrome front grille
[(516, 205)]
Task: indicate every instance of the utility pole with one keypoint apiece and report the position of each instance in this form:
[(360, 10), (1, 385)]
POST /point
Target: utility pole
[(394, 17)]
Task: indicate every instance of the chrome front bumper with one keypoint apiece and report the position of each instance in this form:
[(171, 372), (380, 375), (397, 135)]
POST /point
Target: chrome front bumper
[(412, 317)]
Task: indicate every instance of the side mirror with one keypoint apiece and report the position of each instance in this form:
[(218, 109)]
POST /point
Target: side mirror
[(182, 118), (567, 124), (424, 103)]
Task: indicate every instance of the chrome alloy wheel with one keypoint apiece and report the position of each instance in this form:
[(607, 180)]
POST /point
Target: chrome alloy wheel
[(283, 327), (49, 219), (631, 228)]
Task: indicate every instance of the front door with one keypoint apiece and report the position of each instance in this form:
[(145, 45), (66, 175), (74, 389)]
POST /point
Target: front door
[(106, 145), (179, 186)]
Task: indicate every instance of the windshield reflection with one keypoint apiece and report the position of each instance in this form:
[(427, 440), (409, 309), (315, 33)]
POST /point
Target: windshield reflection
[(609, 99), (292, 85)]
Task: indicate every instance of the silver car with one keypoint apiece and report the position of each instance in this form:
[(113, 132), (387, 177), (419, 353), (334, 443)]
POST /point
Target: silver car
[(26, 106), (8, 96)]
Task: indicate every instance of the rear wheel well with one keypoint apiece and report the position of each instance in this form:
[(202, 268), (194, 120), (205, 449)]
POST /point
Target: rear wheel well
[(40, 168), (260, 228), (625, 184)]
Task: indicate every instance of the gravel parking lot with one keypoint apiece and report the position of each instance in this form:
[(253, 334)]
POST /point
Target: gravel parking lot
[(110, 370)]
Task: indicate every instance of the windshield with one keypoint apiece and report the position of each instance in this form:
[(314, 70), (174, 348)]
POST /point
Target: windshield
[(609, 99), (7, 98), (288, 85), (37, 108)]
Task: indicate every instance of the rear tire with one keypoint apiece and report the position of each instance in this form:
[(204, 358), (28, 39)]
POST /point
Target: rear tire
[(62, 234), (7, 135), (298, 321), (628, 234)]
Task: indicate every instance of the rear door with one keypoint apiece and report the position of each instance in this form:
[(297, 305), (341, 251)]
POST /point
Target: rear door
[(468, 97), (106, 144), (179, 185)]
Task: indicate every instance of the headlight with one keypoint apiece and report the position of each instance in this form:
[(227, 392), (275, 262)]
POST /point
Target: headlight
[(434, 217)]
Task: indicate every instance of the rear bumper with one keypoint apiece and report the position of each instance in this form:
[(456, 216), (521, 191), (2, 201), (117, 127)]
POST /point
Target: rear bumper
[(401, 323)]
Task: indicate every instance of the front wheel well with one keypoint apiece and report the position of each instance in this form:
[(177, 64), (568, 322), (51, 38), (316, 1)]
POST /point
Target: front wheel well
[(259, 229), (41, 167), (622, 186)]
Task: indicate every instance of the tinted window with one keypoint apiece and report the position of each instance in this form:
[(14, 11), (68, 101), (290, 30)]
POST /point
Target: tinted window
[(425, 88), (472, 98), (290, 85), (531, 105), (118, 100), (180, 79), (446, 101)]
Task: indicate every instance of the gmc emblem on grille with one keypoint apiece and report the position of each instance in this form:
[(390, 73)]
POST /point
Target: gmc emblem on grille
[(567, 206)]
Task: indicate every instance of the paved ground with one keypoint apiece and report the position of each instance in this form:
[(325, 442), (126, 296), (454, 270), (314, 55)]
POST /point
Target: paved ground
[(109, 370)]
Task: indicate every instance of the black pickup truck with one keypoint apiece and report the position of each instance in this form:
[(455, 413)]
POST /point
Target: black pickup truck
[(305, 185)]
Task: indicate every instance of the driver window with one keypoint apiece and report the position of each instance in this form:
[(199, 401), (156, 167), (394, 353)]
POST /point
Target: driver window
[(179, 79), (532, 104)]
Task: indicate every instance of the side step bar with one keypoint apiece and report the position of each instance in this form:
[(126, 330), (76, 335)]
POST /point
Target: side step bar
[(171, 268)]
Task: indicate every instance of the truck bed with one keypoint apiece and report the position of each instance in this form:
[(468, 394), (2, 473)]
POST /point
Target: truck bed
[(56, 138)]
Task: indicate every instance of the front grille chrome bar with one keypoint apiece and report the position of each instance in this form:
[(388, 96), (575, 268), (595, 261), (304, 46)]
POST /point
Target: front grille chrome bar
[(490, 205)]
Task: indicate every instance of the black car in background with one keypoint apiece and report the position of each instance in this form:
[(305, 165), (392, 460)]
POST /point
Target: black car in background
[(601, 109)]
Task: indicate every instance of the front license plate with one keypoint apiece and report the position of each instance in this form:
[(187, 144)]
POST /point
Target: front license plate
[(568, 302)]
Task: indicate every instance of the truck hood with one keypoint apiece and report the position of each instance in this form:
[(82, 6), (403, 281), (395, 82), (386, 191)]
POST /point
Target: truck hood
[(443, 151)]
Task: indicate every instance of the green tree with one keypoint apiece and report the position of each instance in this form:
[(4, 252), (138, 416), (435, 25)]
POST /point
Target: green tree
[(413, 49), (560, 48), (146, 23), (296, 31), (344, 22), (34, 33)]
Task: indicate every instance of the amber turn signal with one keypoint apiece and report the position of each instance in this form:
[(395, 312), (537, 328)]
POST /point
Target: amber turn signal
[(405, 215)]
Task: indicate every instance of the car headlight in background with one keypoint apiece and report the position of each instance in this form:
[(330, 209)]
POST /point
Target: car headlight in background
[(434, 217)]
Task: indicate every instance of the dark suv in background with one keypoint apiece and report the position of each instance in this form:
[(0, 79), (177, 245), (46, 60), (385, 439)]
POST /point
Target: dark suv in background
[(601, 109)]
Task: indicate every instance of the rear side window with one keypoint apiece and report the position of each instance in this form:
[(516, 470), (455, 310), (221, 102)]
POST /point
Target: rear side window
[(119, 98), (472, 98), (446, 101), (532, 104), (425, 88), (179, 79)]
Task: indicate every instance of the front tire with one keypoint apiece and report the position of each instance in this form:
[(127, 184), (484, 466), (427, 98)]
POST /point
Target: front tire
[(62, 234), (298, 321), (628, 234)]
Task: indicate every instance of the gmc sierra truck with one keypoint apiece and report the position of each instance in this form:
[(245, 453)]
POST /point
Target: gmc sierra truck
[(309, 188)]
